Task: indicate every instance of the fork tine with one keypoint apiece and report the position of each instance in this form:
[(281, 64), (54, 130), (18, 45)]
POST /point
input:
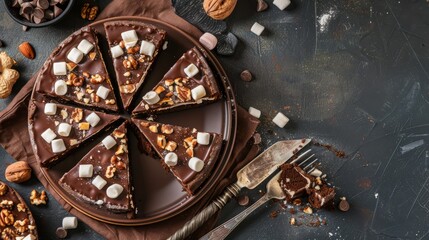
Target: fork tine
[(301, 163), (300, 156), (310, 164)]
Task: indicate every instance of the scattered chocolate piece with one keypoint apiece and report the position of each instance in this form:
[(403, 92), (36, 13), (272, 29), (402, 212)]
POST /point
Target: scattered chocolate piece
[(24, 28), (38, 11), (338, 153), (61, 232), (262, 6), (344, 205), (246, 76), (243, 200)]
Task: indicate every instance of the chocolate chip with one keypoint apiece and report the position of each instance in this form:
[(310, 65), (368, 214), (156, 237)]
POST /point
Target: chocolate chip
[(15, 3), (243, 200), (49, 14), (38, 13), (344, 205), (262, 6), (43, 4), (26, 8), (57, 11), (61, 232), (246, 76)]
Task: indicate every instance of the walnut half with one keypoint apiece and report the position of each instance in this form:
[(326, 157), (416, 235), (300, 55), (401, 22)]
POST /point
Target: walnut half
[(37, 198)]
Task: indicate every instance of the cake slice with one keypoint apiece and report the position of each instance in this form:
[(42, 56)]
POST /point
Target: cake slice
[(75, 72), (294, 181), (56, 129), (189, 155), (321, 195), (102, 176), (133, 47), (188, 83)]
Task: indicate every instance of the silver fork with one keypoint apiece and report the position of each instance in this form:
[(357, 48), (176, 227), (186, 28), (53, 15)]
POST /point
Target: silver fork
[(273, 191)]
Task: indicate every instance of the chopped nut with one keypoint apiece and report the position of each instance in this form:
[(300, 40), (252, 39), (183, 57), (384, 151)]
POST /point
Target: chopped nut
[(84, 11), (86, 74), (297, 201), (318, 181), (133, 63), (292, 221), (37, 198), (110, 101), (127, 74), (64, 113), (183, 93), (77, 114), (21, 226), (121, 149), (77, 82), (171, 146), (89, 89), (8, 234), (159, 89), (93, 13), (6, 218), (127, 88), (96, 79), (154, 128), (190, 152), (167, 101), (167, 129), (6, 204), (308, 210), (94, 97), (21, 207), (86, 100), (145, 124), (84, 126), (121, 165), (110, 171), (118, 134), (114, 160), (160, 141), (71, 66), (133, 50), (190, 142), (80, 95), (92, 55), (3, 189), (142, 60), (169, 82)]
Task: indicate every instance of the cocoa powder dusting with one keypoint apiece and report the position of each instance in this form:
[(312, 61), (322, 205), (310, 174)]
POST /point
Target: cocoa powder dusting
[(338, 153)]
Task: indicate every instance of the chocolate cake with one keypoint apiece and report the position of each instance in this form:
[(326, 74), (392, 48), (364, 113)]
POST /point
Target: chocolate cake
[(75, 72), (189, 155), (320, 196), (189, 82), (17, 222), (56, 129), (294, 181), (133, 47), (102, 177)]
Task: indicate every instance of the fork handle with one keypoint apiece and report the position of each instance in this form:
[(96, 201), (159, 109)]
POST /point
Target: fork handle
[(202, 217), (222, 231)]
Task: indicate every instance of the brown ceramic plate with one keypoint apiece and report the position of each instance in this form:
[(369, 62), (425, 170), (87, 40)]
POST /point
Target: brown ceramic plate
[(157, 194)]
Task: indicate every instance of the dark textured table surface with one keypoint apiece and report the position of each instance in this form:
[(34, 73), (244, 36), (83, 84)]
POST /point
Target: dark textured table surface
[(349, 73)]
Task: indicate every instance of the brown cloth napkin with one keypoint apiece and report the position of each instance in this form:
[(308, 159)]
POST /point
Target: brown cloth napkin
[(15, 139)]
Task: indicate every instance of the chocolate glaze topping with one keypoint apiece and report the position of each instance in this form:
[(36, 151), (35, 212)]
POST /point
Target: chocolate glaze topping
[(130, 85)]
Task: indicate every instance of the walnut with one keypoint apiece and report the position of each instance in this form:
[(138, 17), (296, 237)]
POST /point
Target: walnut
[(8, 234), (78, 81), (110, 171), (86, 100), (159, 89), (71, 66), (96, 79), (127, 88), (121, 149), (21, 226), (79, 95), (92, 55), (118, 134), (318, 181), (183, 93), (6, 218), (86, 74), (178, 82), (114, 160), (144, 124), (133, 50), (94, 97), (190, 142), (21, 207), (121, 165), (3, 189), (153, 128), (110, 101), (169, 82), (171, 146), (71, 76), (160, 141), (77, 114), (64, 113), (167, 129), (37, 198), (8, 204), (190, 152), (219, 9), (133, 62)]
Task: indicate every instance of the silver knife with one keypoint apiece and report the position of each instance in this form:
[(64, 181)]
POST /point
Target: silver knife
[(250, 176)]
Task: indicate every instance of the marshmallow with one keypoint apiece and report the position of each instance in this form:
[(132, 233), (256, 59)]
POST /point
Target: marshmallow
[(203, 138), (129, 36), (69, 222), (60, 68), (85, 46), (99, 182), (151, 97), (171, 159), (60, 87), (281, 4), (64, 129), (116, 51), (208, 40), (254, 112), (191, 70), (109, 142), (86, 170), (198, 92), (50, 108), (257, 28), (114, 190), (103, 92), (147, 48), (316, 173), (48, 135), (196, 164), (58, 146), (93, 119), (280, 120), (99, 202), (28, 237), (75, 55)]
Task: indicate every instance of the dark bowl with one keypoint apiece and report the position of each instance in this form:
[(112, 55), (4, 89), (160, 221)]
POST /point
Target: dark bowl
[(14, 14)]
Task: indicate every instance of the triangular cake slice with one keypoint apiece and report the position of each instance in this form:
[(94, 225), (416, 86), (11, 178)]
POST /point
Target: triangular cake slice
[(75, 72), (190, 155), (189, 82), (57, 129), (133, 47), (102, 176)]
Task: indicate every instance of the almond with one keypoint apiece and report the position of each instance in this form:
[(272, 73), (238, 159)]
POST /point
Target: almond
[(27, 50)]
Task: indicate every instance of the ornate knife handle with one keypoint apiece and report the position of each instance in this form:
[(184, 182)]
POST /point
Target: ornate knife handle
[(222, 231), (202, 217)]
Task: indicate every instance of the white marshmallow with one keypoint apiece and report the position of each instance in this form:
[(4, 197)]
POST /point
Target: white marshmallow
[(130, 36), (196, 164), (50, 108), (208, 40), (75, 55), (64, 129), (203, 138), (69, 222), (99, 202), (171, 159), (130, 44), (147, 48), (109, 142), (116, 51), (58, 146), (103, 92), (280, 120), (86, 170), (257, 28), (254, 112), (60, 68), (60, 87), (316, 173), (191, 70), (93, 119), (151, 97), (281, 4), (85, 46), (99, 182), (198, 92), (28, 237), (114, 190), (48, 135)]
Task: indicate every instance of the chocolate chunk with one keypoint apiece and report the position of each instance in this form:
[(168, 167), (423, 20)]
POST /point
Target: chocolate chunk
[(61, 232), (38, 13), (26, 8), (37, 20), (246, 76), (15, 3), (243, 200), (27, 16), (57, 11), (43, 4), (62, 1), (344, 205), (49, 14), (226, 44), (262, 6)]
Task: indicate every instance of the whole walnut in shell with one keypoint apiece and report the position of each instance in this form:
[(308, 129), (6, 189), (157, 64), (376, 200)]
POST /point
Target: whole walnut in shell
[(18, 172), (219, 9)]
